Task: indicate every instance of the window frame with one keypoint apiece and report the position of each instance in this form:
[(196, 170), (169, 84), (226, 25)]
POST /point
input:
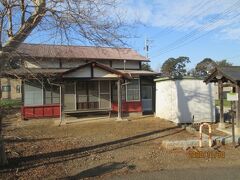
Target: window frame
[(139, 91), (6, 90), (50, 88), (30, 96), (18, 88)]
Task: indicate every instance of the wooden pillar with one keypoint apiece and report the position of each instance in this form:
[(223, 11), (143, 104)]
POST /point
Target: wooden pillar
[(238, 110), (220, 95), (9, 90), (22, 97), (62, 114), (119, 93)]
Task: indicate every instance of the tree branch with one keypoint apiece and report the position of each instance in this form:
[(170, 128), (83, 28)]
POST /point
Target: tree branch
[(10, 24), (27, 27), (2, 16), (23, 9)]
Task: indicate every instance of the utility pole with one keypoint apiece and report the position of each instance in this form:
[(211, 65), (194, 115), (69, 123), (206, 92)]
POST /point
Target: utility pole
[(146, 47)]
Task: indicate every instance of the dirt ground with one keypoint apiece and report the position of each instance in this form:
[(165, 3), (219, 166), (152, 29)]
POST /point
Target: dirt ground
[(39, 149)]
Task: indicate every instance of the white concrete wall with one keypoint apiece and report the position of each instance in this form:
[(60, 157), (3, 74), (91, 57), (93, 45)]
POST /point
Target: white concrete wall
[(180, 100)]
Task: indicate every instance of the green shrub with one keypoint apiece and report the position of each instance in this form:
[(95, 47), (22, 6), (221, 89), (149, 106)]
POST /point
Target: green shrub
[(10, 103)]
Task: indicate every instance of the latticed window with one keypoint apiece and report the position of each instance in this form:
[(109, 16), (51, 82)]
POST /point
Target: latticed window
[(51, 94), (33, 93), (39, 93), (133, 90), (104, 94)]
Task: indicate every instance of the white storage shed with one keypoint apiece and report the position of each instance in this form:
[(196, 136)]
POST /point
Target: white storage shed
[(185, 100)]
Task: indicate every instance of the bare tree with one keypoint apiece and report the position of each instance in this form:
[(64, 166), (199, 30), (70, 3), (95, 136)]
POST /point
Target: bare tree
[(88, 21)]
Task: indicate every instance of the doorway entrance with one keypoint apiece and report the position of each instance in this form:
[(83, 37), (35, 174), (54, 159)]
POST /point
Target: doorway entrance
[(147, 105)]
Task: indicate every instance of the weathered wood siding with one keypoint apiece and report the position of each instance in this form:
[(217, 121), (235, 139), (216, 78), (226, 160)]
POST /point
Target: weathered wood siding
[(51, 63), (129, 64)]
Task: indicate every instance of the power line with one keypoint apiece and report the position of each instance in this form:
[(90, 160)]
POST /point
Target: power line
[(192, 14), (191, 40), (186, 20), (181, 20), (193, 33), (196, 32), (146, 47)]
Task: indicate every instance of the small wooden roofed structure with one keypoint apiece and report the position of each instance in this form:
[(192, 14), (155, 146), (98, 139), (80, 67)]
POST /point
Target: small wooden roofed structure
[(227, 76)]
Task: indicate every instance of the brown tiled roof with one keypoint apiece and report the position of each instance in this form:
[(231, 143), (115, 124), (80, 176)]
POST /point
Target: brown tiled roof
[(22, 72), (78, 52)]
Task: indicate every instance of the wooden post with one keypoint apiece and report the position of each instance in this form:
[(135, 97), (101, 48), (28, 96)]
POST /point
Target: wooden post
[(62, 115), (220, 94), (119, 89), (9, 90), (22, 98), (237, 128)]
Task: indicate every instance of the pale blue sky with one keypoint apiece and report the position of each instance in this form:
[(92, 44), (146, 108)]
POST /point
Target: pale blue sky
[(207, 46), (193, 28)]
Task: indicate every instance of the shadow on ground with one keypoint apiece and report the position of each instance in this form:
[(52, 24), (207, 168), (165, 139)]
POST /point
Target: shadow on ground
[(24, 140), (28, 162), (99, 170)]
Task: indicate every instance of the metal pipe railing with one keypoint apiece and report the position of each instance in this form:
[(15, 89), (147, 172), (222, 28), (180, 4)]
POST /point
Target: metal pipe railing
[(209, 135)]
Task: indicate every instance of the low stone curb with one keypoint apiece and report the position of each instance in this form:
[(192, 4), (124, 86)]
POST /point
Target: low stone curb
[(169, 144), (184, 144), (226, 139)]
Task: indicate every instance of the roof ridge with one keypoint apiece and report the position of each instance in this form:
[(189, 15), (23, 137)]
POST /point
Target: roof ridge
[(80, 52), (64, 45)]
